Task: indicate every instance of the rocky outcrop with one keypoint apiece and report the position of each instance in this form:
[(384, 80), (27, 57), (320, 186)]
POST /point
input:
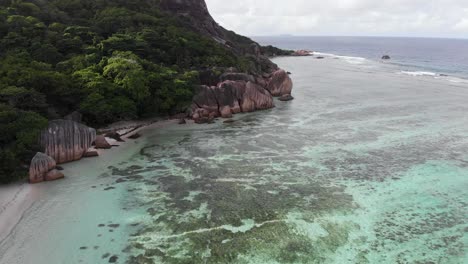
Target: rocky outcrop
[(386, 57), (229, 98), (224, 95), (280, 83), (101, 143), (41, 164), (66, 140), (300, 53)]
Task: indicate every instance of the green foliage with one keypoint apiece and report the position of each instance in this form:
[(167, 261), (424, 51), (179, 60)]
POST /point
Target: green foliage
[(18, 140), (109, 59)]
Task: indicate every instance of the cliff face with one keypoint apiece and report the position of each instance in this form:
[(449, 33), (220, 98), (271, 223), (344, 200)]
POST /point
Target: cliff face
[(197, 17), (197, 13)]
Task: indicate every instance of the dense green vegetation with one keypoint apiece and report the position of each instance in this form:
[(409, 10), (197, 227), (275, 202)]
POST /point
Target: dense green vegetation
[(108, 59)]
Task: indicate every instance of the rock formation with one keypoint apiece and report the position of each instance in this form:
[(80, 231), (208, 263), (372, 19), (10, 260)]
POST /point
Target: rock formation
[(385, 57), (300, 53), (40, 166), (66, 140), (232, 92), (280, 83), (101, 143), (228, 98)]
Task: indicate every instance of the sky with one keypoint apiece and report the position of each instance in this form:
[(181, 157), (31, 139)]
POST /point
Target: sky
[(408, 18)]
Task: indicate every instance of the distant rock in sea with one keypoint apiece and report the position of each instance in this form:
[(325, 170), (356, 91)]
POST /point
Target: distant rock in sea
[(300, 53), (386, 57)]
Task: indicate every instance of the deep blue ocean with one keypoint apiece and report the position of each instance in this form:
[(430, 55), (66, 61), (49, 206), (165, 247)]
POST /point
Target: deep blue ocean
[(424, 55)]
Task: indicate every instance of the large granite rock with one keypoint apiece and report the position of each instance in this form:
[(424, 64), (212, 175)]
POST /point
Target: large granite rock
[(228, 98), (280, 83), (40, 165), (66, 140)]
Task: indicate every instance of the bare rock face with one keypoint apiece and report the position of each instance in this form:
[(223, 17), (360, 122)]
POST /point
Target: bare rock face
[(196, 15), (66, 140), (256, 98), (229, 98), (280, 83), (40, 165), (101, 143)]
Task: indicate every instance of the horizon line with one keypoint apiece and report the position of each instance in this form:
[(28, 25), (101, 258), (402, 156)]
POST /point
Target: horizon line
[(360, 36)]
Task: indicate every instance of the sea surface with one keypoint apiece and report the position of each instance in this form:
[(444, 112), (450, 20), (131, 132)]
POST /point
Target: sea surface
[(366, 165), (416, 56)]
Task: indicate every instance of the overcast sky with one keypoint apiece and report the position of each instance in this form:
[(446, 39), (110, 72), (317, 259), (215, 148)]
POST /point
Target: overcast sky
[(421, 18)]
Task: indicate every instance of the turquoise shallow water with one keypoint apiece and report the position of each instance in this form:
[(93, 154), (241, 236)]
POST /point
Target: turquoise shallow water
[(364, 166)]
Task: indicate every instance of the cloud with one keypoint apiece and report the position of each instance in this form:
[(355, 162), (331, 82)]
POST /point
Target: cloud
[(436, 18)]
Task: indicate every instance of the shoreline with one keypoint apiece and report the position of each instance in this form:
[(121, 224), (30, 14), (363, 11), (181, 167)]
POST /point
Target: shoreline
[(17, 198)]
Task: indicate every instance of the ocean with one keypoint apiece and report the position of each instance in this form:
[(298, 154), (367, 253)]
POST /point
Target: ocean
[(435, 57), (366, 165)]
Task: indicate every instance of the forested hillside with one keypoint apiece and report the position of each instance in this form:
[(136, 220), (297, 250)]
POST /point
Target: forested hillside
[(108, 59)]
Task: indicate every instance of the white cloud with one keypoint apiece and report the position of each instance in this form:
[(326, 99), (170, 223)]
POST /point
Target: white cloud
[(436, 18), (462, 25)]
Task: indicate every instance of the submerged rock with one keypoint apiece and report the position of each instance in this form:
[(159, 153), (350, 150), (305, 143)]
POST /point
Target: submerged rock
[(40, 165), (66, 140), (286, 97), (280, 83), (135, 136)]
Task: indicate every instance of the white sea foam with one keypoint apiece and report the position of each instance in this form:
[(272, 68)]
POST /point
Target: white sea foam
[(349, 59), (451, 79), (420, 73)]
